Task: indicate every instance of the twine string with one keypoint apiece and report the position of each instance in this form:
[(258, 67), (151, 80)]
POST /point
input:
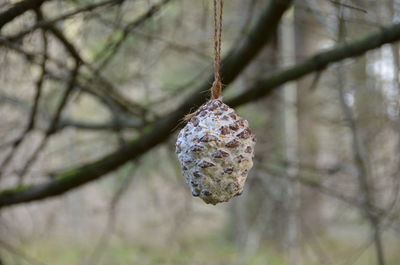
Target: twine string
[(216, 89)]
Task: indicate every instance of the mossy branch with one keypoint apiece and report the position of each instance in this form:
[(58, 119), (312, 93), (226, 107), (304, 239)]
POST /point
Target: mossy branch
[(233, 64), (164, 127)]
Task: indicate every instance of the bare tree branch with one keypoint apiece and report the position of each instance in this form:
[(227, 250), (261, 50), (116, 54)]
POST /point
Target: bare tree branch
[(318, 62), (18, 9), (164, 127), (104, 88), (112, 48), (32, 116), (360, 156), (49, 22), (111, 92), (53, 124), (123, 122)]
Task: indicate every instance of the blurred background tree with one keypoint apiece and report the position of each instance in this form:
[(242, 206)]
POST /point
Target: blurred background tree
[(93, 92)]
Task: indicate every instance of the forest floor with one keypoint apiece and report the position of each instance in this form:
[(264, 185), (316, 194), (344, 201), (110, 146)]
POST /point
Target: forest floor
[(209, 249)]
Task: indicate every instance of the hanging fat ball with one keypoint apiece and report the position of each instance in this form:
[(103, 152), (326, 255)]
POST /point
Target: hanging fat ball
[(216, 150), (216, 147)]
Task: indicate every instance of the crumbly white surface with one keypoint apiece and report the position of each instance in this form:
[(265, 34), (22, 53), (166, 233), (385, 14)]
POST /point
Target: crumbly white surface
[(215, 150)]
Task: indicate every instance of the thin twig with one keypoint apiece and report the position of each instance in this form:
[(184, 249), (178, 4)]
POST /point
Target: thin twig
[(360, 155), (53, 124), (112, 47), (32, 117), (104, 239), (49, 22), (178, 46), (18, 9)]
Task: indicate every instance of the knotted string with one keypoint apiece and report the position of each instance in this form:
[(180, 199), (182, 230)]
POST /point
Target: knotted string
[(216, 89)]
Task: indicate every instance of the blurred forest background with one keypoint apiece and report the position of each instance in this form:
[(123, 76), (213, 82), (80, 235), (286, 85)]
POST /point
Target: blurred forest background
[(93, 91)]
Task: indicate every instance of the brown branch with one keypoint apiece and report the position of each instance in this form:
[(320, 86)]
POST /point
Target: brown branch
[(65, 42), (277, 171), (64, 99), (164, 127), (235, 62), (40, 81), (32, 116), (53, 124), (112, 48), (106, 94), (120, 121), (177, 46), (49, 22), (113, 125), (109, 90), (19, 9), (360, 156), (318, 62), (96, 83)]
